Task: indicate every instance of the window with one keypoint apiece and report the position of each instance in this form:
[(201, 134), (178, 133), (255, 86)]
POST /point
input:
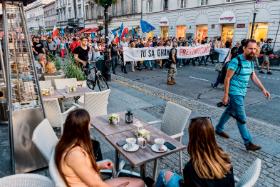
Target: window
[(79, 11), (87, 12), (69, 12), (149, 6), (165, 4), (123, 7), (203, 2), (183, 3), (133, 6), (114, 9)]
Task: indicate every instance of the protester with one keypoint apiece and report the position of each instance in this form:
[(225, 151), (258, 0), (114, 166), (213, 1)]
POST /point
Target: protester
[(266, 50), (81, 53), (51, 46), (62, 48), (37, 47), (224, 57), (208, 166), (47, 66), (75, 43), (236, 81), (114, 56), (172, 66), (74, 156)]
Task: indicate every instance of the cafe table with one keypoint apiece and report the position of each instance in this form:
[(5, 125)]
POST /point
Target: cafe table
[(101, 124), (79, 92), (142, 156), (56, 94)]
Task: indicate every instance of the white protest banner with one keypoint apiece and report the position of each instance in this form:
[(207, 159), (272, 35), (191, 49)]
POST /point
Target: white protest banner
[(192, 52), (146, 53), (156, 53)]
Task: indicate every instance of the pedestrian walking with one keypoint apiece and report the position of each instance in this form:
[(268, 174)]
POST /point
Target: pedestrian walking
[(239, 71), (224, 56), (266, 50), (172, 65)]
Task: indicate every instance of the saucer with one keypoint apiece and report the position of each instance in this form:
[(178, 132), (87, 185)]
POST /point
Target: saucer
[(155, 148), (134, 148)]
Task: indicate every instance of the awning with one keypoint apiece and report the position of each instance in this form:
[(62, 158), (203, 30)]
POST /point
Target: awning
[(90, 30)]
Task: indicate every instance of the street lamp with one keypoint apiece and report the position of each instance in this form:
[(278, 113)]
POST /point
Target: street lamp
[(254, 20)]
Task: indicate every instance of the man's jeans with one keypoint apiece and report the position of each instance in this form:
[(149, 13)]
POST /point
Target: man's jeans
[(236, 109)]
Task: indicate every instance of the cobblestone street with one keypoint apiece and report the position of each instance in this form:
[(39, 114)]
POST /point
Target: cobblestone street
[(148, 103)]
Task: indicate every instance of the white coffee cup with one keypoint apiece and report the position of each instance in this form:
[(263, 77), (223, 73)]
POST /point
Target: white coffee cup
[(159, 142), (142, 142), (130, 142)]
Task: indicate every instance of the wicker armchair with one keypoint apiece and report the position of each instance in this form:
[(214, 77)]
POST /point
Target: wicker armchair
[(26, 180)]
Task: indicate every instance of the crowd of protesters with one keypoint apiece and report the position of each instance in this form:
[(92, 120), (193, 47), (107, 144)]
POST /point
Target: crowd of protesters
[(95, 49)]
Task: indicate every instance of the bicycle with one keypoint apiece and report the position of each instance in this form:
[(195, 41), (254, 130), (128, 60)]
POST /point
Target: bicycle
[(93, 77)]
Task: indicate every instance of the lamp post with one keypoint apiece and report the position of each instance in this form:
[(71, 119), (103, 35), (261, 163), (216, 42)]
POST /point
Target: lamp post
[(254, 20), (276, 34)]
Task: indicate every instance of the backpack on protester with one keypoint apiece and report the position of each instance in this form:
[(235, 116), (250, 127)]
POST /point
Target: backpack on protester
[(219, 66), (169, 61), (224, 70)]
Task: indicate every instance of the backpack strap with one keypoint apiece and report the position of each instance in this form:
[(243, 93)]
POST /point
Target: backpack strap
[(238, 70)]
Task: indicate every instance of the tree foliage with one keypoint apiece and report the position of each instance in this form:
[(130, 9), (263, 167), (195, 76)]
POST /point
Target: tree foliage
[(105, 3)]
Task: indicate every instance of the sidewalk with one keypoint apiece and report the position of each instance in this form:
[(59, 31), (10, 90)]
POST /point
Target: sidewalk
[(148, 103)]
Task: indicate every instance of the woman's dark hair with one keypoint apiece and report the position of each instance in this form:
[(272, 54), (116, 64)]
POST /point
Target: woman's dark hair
[(75, 133)]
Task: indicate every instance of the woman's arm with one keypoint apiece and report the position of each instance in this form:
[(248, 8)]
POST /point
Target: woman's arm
[(77, 161)]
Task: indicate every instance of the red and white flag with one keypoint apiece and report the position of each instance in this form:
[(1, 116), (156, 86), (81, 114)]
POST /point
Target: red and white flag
[(55, 32)]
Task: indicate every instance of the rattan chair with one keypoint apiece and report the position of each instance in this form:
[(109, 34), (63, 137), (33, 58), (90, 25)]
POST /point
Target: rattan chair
[(62, 83), (54, 114), (26, 180), (45, 139), (45, 84), (173, 123), (95, 102), (251, 175)]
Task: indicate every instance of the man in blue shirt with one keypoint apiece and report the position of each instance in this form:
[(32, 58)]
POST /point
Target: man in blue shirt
[(235, 84)]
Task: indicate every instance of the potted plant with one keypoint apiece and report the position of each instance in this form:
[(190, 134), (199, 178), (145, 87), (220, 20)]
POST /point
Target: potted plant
[(114, 119)]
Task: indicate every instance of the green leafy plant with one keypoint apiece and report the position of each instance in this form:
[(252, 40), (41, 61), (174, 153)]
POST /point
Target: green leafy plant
[(55, 60), (71, 70)]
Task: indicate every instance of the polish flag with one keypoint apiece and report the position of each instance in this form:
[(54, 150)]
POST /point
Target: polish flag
[(55, 32), (124, 32)]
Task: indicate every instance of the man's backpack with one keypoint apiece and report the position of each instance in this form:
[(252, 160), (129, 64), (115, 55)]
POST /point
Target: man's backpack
[(224, 70)]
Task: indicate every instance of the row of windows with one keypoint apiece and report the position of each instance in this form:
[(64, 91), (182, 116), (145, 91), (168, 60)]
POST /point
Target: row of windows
[(181, 4)]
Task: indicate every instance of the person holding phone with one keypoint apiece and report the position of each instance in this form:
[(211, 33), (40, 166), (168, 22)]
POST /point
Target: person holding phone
[(75, 159), (235, 89)]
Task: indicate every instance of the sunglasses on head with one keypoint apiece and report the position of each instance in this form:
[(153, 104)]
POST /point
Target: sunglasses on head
[(201, 117)]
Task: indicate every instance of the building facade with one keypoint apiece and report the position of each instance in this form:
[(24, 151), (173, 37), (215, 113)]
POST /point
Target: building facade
[(230, 19), (70, 13), (49, 16), (127, 12), (35, 16)]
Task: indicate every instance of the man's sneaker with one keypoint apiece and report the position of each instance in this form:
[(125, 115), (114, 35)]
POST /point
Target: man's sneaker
[(261, 71), (252, 147), (269, 73), (222, 134)]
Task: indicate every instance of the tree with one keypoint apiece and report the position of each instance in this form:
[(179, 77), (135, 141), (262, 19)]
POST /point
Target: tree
[(106, 4)]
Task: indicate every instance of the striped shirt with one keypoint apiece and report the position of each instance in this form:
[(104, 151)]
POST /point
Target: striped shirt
[(239, 81)]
